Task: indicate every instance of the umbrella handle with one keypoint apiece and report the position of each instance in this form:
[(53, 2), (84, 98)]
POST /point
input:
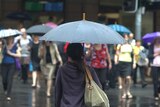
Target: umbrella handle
[(84, 16)]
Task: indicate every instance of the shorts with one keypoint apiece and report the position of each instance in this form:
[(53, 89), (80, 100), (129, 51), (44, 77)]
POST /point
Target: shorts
[(124, 69)]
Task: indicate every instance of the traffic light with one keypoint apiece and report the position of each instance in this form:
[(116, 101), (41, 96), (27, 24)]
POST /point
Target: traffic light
[(130, 6)]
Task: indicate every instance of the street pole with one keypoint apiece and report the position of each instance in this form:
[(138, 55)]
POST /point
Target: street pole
[(138, 23)]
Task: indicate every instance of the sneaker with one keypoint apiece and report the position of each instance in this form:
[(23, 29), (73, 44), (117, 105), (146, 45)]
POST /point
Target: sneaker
[(8, 98), (33, 86)]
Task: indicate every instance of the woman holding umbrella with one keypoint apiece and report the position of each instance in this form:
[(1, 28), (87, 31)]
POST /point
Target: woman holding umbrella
[(70, 80), (8, 65), (154, 58)]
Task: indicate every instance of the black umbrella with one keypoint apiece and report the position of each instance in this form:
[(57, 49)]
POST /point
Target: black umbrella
[(19, 16)]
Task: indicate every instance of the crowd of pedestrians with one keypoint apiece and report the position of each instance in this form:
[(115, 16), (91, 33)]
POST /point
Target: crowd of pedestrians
[(110, 65), (27, 53)]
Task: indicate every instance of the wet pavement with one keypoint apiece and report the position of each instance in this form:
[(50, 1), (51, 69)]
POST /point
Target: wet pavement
[(24, 96)]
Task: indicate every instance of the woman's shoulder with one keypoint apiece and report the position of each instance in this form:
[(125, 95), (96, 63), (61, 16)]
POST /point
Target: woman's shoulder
[(64, 67)]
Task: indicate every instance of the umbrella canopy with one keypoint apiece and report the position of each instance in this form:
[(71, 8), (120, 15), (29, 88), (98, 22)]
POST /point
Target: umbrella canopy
[(51, 24), (9, 32), (120, 28), (83, 32), (19, 16), (149, 37), (38, 29)]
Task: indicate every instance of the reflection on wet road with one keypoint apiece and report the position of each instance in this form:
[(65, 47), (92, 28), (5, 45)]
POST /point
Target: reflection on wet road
[(24, 96)]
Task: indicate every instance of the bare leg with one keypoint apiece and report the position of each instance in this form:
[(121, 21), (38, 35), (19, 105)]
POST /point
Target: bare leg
[(49, 87), (120, 82), (38, 80), (124, 94), (128, 86), (34, 78)]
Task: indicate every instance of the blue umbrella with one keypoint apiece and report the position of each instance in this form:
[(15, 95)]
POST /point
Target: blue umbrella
[(9, 32), (84, 32), (120, 28), (149, 37)]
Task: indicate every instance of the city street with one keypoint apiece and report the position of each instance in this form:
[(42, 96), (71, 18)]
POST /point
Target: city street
[(24, 96)]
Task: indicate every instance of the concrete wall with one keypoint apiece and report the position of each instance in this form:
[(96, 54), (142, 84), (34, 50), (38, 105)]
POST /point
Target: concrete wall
[(75, 8), (7, 6)]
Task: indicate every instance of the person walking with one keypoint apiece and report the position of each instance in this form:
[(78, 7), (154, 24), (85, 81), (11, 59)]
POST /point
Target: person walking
[(70, 80), (124, 60), (99, 59), (8, 65), (24, 41), (34, 47), (141, 63), (154, 58), (49, 54)]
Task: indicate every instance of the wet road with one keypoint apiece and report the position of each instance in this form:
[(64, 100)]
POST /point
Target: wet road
[(24, 96)]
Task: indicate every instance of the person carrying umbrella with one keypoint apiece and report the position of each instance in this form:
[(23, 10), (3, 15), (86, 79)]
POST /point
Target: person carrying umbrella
[(8, 65), (154, 58), (70, 80)]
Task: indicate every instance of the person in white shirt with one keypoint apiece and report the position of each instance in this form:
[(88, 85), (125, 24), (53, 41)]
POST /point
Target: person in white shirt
[(24, 41)]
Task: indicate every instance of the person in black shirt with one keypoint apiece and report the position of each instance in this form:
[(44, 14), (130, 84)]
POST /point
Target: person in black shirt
[(35, 61)]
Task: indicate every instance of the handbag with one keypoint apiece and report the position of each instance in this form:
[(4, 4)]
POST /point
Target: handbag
[(94, 96), (18, 64)]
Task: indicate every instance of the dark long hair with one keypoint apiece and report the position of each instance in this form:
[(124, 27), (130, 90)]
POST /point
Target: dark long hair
[(76, 52)]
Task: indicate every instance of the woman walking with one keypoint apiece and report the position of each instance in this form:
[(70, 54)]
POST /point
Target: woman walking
[(124, 60), (24, 41), (49, 54), (100, 61), (154, 58), (8, 65), (141, 63), (70, 80), (34, 47)]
